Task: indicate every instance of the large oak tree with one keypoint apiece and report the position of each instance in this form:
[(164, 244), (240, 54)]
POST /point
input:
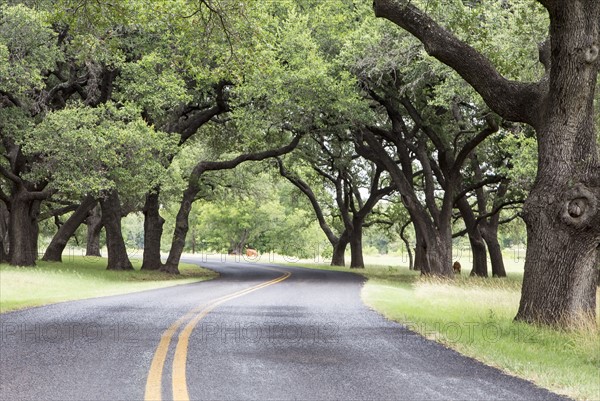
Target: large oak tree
[(562, 210)]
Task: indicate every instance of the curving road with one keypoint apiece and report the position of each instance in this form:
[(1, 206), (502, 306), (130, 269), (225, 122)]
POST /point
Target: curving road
[(259, 332)]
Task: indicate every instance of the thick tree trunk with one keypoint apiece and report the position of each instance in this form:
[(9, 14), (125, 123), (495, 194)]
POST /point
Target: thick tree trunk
[(433, 253), (181, 230), (558, 297), (4, 224), (438, 254), (420, 250), (65, 232), (479, 252), (94, 228), (153, 228), (490, 235), (476, 240), (562, 212), (339, 250), (111, 218), (356, 250), (21, 230), (35, 226)]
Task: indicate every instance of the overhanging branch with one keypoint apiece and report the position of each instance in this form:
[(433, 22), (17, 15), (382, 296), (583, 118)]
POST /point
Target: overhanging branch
[(515, 101)]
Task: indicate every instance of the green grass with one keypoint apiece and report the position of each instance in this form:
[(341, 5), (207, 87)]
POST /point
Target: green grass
[(475, 317), (82, 277)]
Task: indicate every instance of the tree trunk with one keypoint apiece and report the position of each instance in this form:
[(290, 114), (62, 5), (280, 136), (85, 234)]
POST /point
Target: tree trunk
[(562, 212), (111, 219), (479, 252), (21, 230), (4, 224), (153, 228), (356, 250), (541, 299), (490, 235), (420, 252), (439, 254), (65, 232), (35, 226), (339, 250), (94, 227), (237, 245), (181, 230), (476, 240), (411, 264)]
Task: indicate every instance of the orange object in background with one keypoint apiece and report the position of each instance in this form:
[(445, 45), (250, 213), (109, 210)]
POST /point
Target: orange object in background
[(251, 252)]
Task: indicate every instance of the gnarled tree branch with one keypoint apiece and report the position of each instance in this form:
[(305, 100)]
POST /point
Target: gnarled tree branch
[(515, 101)]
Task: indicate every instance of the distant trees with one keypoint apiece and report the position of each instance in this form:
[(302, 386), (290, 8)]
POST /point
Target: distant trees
[(353, 185)]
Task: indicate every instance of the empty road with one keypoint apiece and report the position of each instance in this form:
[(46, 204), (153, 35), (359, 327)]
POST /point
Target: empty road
[(258, 332)]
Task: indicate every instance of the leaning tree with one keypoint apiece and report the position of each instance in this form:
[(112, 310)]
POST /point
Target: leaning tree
[(562, 211)]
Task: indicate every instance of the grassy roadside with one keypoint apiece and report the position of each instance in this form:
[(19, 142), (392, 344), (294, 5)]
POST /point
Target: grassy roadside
[(82, 277), (474, 316)]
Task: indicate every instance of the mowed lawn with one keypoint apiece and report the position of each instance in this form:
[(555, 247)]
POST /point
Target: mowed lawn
[(82, 277), (475, 317)]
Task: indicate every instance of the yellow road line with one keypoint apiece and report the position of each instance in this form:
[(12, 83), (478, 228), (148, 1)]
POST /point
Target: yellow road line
[(154, 380), (180, 390)]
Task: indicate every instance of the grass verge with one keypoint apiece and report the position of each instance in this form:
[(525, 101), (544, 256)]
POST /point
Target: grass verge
[(80, 278), (475, 317)]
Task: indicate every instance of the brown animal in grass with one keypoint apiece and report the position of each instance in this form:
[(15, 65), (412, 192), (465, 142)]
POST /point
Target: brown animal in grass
[(251, 252), (456, 267)]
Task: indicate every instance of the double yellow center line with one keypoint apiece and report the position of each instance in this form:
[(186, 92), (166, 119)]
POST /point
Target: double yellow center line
[(179, 382)]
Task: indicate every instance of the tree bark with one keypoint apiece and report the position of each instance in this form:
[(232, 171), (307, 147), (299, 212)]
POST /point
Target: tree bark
[(339, 250), (438, 254), (490, 235), (181, 228), (476, 240), (420, 251), (111, 219), (562, 212), (35, 226), (94, 227), (153, 228), (479, 254), (4, 224), (65, 232), (356, 250), (411, 263), (22, 214)]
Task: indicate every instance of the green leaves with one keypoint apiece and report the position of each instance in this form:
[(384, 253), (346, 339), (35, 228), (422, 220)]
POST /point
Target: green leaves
[(83, 150), (153, 84), (291, 79), (27, 49)]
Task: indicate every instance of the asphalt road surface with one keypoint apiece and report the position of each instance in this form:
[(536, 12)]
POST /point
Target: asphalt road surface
[(259, 332)]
